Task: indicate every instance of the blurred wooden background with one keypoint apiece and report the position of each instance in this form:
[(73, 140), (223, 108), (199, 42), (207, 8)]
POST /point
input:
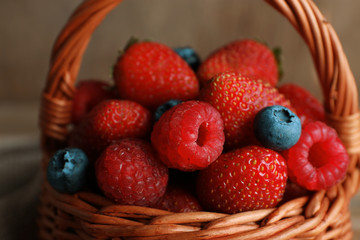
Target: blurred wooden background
[(29, 28)]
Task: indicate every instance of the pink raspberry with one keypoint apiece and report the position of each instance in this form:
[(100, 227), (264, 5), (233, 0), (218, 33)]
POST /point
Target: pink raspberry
[(189, 136), (319, 159), (128, 172)]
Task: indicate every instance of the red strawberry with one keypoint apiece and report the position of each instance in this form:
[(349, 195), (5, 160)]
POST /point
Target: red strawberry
[(306, 105), (178, 199), (248, 57), (151, 74), (319, 159), (110, 121), (89, 93), (239, 99), (128, 172), (189, 136), (244, 179)]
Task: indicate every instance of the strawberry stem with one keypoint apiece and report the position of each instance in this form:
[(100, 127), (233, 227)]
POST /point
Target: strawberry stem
[(130, 42), (278, 56)]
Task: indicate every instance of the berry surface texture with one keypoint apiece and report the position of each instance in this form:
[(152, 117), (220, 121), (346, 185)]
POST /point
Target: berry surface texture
[(128, 172), (239, 99), (152, 73), (245, 179), (180, 134), (67, 170), (277, 127), (189, 136), (319, 160)]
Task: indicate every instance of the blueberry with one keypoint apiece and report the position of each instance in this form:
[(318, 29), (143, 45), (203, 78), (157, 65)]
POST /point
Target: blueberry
[(190, 56), (164, 107), (277, 127), (67, 170)]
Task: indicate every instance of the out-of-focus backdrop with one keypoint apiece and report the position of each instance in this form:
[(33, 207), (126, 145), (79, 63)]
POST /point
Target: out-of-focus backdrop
[(28, 30)]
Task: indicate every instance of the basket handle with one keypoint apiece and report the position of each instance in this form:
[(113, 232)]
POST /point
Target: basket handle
[(336, 79), (66, 56)]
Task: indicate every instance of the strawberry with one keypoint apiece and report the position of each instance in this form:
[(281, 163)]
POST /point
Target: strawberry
[(128, 172), (88, 93), (108, 122), (151, 73), (307, 106), (248, 57), (178, 199), (239, 99), (244, 179)]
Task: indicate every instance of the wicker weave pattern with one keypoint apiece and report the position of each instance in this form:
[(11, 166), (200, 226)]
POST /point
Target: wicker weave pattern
[(87, 215)]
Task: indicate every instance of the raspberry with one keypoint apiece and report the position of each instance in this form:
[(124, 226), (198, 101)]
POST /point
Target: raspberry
[(129, 173), (319, 159), (189, 136)]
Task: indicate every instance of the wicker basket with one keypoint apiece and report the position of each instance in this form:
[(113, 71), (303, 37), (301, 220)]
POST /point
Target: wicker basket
[(88, 215)]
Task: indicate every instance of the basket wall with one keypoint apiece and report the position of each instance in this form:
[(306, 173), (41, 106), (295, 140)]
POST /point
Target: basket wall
[(88, 215)]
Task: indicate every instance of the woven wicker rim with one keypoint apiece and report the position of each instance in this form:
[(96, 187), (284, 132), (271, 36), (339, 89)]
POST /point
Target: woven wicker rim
[(90, 216)]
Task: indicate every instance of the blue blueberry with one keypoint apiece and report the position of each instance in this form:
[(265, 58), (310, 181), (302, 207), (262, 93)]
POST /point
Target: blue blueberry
[(67, 170), (163, 108), (277, 127), (190, 56)]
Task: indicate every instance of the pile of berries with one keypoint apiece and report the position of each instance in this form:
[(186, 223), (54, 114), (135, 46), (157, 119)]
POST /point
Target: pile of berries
[(177, 133)]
